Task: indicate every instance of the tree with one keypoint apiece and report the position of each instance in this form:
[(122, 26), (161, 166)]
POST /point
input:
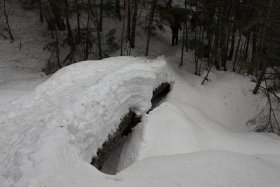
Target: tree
[(134, 22), (6, 14), (151, 19)]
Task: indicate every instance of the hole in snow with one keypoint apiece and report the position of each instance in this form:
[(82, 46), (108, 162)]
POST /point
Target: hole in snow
[(108, 157)]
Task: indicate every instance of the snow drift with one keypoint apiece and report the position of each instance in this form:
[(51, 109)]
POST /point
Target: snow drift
[(67, 118), (188, 131)]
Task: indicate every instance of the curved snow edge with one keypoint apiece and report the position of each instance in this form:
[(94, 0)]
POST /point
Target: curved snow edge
[(129, 121)]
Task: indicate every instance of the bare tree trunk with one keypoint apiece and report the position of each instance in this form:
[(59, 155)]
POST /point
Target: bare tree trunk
[(236, 54), (248, 39), (6, 14), (134, 22), (206, 76), (187, 33), (254, 51), (86, 53), (5, 37), (78, 19), (183, 46), (40, 10), (154, 4), (196, 46), (101, 16), (123, 28), (58, 66), (254, 44), (260, 79), (69, 29), (233, 32), (128, 20), (99, 32), (262, 46), (118, 9), (232, 45)]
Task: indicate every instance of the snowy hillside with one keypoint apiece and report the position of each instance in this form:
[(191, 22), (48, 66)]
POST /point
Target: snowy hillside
[(52, 126), (22, 61), (49, 136)]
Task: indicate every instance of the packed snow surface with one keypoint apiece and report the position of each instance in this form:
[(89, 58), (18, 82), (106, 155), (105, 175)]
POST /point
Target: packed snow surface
[(49, 136), (68, 117)]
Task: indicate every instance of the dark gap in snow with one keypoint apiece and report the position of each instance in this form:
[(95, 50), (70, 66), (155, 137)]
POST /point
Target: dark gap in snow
[(103, 153), (111, 165), (159, 94), (110, 151)]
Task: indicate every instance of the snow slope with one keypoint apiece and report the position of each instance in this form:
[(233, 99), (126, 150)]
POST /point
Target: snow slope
[(169, 130), (209, 168), (198, 117), (68, 117), (22, 61), (198, 137), (206, 168), (48, 137)]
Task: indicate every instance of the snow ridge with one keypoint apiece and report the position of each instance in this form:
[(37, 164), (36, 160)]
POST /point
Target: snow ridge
[(68, 117)]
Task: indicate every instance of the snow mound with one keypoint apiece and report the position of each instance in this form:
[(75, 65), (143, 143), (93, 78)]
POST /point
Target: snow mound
[(67, 118), (185, 131)]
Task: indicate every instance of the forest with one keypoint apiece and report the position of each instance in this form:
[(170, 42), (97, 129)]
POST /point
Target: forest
[(229, 35)]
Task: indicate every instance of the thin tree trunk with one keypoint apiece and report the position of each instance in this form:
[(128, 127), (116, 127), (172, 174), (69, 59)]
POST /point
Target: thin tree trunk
[(123, 28), (134, 22), (154, 4), (101, 16), (236, 54), (196, 38), (128, 20), (248, 39), (254, 52), (40, 10), (262, 76), (260, 79), (187, 33), (232, 45), (99, 32), (183, 46), (88, 32), (69, 29), (195, 51), (206, 76), (118, 9), (7, 22), (78, 19), (58, 65)]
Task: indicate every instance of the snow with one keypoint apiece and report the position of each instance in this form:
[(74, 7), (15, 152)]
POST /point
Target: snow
[(197, 137), (206, 168), (73, 112), (49, 136), (22, 61), (179, 132)]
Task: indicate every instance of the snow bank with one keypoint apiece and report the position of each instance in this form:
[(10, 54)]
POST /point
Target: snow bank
[(66, 119), (168, 130), (203, 119)]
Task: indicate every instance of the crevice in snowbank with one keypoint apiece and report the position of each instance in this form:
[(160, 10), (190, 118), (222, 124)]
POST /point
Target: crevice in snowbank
[(128, 122)]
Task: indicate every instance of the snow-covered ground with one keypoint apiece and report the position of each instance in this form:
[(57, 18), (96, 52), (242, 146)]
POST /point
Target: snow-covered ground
[(49, 136), (199, 118), (22, 61), (72, 114), (197, 137)]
